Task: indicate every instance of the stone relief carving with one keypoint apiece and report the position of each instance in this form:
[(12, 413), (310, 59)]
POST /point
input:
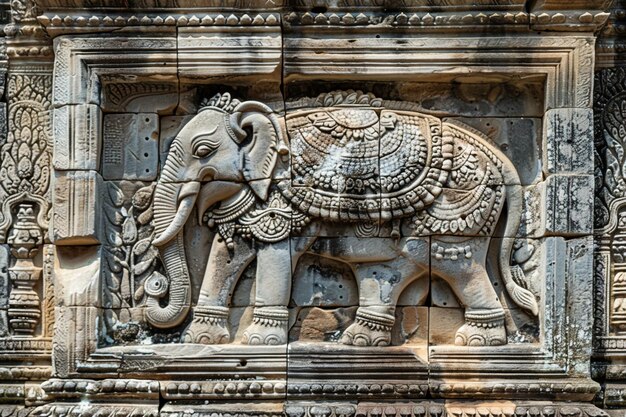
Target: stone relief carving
[(610, 187), (25, 166), (609, 136), (339, 218), (24, 190), (130, 257), (355, 160)]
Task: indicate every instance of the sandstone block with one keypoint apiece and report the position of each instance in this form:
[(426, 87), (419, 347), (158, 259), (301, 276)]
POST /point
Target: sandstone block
[(77, 207), (568, 141), (5, 284), (323, 282), (77, 276), (518, 138), (77, 137), (568, 204), (168, 129), (131, 146)]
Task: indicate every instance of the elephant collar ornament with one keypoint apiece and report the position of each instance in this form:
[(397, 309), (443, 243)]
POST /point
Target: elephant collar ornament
[(355, 161)]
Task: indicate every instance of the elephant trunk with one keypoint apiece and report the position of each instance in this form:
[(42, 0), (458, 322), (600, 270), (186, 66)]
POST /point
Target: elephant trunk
[(173, 203), (512, 275), (177, 308)]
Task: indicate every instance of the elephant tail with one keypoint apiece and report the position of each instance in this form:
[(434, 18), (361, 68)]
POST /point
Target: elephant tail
[(512, 275)]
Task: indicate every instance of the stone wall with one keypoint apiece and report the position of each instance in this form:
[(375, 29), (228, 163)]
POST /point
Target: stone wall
[(320, 209)]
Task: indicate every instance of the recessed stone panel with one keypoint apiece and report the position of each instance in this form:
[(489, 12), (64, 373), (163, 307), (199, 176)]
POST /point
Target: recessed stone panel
[(400, 241), (131, 146)]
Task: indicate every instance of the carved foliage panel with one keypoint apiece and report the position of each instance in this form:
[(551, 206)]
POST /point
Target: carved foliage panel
[(609, 313)]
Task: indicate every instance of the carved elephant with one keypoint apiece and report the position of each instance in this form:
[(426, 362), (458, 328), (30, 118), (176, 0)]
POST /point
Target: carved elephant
[(420, 197)]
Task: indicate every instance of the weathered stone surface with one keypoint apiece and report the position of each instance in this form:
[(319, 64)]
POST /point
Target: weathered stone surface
[(321, 325), (168, 129), (568, 141), (323, 283), (77, 208), (77, 273), (76, 336), (120, 97), (77, 137), (443, 322), (518, 138), (568, 204), (5, 284), (131, 146)]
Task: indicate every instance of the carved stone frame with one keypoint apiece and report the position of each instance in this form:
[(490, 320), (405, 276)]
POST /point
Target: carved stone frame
[(559, 368)]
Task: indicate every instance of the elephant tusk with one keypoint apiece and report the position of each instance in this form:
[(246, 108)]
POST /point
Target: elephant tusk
[(186, 200)]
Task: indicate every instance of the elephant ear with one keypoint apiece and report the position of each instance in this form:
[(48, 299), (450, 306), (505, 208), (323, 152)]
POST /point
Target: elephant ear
[(256, 130)]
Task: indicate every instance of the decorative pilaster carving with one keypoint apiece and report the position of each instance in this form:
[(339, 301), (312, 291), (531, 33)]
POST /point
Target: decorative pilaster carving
[(25, 170), (24, 302), (610, 223)]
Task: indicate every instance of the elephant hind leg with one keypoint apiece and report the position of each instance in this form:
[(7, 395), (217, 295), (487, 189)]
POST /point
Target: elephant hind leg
[(484, 315), (482, 328)]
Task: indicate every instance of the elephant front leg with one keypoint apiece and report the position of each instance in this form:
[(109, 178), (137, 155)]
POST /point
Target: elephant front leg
[(273, 289), (210, 317)]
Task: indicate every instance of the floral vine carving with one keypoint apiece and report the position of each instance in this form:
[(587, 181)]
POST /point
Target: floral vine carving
[(610, 137), (130, 256), (26, 155)]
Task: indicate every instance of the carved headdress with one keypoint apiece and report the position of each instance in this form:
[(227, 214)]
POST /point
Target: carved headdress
[(221, 101)]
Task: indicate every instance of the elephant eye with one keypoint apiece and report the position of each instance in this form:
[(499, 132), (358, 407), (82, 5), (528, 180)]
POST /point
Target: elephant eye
[(203, 150)]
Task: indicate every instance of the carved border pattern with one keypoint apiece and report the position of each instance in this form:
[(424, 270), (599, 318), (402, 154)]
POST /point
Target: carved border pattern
[(610, 174), (411, 409), (434, 19), (610, 141), (211, 19), (446, 19), (97, 410), (549, 56), (433, 409), (25, 172), (60, 388)]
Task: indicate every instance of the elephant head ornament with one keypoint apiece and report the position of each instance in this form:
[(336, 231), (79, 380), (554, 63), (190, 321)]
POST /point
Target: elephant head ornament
[(360, 165), (211, 159)]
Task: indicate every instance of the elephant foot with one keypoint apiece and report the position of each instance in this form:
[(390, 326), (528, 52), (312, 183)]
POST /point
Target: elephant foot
[(269, 327), (370, 328), (209, 326), (482, 328)]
